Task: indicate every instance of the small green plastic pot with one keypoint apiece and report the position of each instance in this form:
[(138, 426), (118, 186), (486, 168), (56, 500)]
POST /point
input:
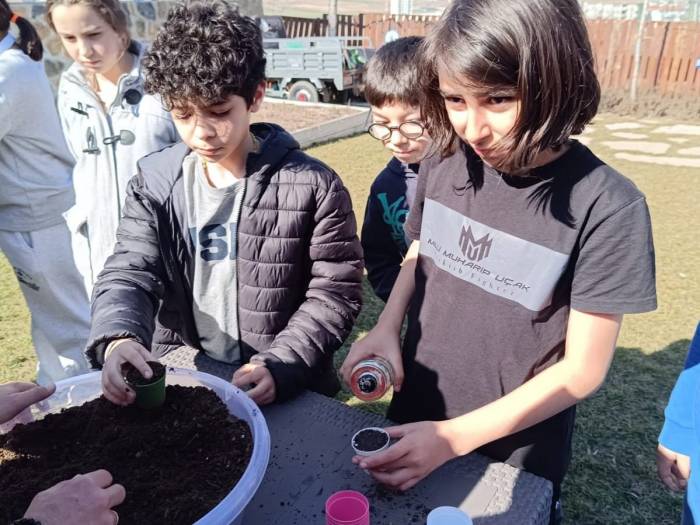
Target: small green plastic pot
[(150, 393)]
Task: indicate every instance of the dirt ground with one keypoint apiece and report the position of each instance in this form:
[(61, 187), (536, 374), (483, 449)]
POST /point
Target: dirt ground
[(683, 108), (294, 117)]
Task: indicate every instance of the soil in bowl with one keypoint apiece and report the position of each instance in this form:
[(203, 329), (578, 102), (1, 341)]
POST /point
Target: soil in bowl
[(176, 463), (369, 440)]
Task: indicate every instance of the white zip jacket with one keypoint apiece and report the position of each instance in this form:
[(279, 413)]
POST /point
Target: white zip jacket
[(106, 147), (35, 165)]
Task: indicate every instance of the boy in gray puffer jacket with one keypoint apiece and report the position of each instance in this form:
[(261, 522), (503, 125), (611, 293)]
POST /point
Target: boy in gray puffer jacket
[(234, 241)]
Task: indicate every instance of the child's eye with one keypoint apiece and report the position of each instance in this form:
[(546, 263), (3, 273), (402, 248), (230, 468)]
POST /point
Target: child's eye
[(497, 101), (181, 116), (221, 113), (453, 100), (94, 35)]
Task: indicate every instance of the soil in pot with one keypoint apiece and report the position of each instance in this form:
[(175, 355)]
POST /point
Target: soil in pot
[(176, 463), (150, 393), (369, 440), (134, 377)]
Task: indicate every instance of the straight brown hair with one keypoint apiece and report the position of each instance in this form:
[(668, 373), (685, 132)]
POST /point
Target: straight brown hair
[(111, 11), (535, 50), (392, 76)]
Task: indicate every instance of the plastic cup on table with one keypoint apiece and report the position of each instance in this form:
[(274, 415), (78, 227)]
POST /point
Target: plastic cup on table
[(347, 507), (448, 516)]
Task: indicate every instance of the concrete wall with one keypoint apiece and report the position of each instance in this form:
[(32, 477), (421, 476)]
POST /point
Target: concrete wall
[(145, 18)]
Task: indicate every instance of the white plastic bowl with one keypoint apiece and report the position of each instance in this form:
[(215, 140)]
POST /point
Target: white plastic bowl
[(78, 390)]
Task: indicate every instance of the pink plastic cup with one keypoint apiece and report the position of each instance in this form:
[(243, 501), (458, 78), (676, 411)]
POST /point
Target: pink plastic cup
[(347, 507)]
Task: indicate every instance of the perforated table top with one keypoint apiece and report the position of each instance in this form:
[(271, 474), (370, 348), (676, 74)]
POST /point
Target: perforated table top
[(311, 456)]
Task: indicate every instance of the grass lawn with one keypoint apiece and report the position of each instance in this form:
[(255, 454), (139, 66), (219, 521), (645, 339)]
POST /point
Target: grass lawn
[(612, 477)]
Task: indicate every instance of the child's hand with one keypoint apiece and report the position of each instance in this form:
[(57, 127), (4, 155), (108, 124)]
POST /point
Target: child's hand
[(379, 342), (422, 448), (16, 396), (113, 385), (258, 375), (673, 468), (85, 498)]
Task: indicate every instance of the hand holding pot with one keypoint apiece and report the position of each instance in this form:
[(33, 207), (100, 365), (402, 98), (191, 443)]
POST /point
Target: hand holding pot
[(379, 342), (263, 392), (86, 499), (673, 468), (422, 447), (123, 351), (16, 396)]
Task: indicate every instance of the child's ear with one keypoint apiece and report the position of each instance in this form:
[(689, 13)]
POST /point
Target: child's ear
[(258, 97)]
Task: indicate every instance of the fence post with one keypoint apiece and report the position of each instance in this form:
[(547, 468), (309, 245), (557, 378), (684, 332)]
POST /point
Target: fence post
[(638, 52), (333, 18)]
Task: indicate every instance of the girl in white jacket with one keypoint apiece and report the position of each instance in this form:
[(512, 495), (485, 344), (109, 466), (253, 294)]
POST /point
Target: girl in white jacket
[(108, 121), (35, 192)]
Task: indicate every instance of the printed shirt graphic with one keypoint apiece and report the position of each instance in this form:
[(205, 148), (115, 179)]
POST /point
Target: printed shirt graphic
[(394, 215), (495, 261), (213, 215), (502, 261)]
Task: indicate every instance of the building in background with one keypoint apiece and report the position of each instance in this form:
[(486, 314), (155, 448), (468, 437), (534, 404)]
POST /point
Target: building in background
[(401, 7), (658, 10)]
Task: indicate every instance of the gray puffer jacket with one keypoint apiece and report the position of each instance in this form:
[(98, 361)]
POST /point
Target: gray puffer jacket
[(299, 265)]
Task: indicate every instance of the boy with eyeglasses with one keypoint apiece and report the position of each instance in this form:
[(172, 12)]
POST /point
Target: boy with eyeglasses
[(390, 90)]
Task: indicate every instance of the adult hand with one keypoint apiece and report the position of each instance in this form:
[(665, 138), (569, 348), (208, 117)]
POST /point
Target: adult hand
[(673, 468), (263, 389), (422, 447), (382, 342), (16, 396), (86, 499), (113, 385)]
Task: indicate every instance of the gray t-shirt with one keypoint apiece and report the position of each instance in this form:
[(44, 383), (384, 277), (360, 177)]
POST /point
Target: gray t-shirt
[(213, 215), (502, 261)]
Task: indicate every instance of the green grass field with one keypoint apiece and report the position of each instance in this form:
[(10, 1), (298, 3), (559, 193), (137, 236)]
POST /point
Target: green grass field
[(612, 477)]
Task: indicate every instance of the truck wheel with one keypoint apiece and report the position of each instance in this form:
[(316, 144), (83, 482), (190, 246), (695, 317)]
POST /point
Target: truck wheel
[(303, 91)]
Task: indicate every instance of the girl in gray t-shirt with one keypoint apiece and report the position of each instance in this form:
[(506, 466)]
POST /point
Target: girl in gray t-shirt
[(527, 249)]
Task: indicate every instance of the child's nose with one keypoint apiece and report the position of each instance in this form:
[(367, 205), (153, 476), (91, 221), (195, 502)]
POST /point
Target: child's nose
[(204, 131), (477, 128), (85, 49), (396, 137)]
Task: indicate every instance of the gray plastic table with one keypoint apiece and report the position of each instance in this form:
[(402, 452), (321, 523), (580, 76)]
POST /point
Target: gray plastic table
[(311, 458)]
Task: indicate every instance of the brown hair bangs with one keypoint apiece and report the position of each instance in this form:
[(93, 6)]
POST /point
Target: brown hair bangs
[(535, 50)]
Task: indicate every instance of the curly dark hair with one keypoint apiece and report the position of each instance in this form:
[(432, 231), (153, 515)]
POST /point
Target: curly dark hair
[(204, 53)]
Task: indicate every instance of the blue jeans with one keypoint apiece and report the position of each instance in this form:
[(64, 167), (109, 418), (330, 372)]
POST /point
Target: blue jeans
[(687, 518)]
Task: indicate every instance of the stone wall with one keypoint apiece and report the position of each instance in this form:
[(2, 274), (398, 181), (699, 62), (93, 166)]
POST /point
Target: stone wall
[(145, 20)]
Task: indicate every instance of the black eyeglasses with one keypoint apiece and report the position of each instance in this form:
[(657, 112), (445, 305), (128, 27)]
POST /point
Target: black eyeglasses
[(411, 130)]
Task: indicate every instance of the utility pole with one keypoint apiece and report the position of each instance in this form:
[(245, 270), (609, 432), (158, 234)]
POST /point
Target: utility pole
[(638, 52), (333, 18)]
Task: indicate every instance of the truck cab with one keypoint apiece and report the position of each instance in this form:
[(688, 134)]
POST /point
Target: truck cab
[(312, 69)]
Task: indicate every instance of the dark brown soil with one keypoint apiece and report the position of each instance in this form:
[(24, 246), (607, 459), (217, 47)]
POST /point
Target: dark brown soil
[(294, 117), (369, 439), (134, 377), (176, 463), (680, 107)]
